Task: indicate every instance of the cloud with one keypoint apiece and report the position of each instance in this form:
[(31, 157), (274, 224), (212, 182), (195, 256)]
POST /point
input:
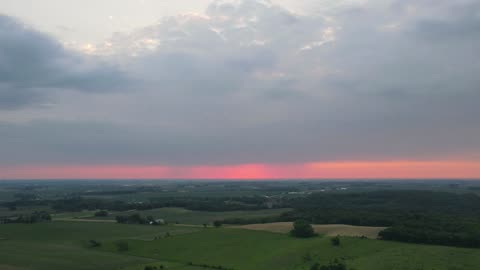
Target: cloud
[(251, 82), (33, 65)]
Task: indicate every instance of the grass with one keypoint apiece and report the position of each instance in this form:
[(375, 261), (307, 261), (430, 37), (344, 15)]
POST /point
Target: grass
[(252, 250), (329, 229), (64, 245), (181, 215)]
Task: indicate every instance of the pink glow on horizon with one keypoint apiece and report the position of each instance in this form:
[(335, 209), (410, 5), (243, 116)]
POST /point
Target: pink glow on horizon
[(334, 170)]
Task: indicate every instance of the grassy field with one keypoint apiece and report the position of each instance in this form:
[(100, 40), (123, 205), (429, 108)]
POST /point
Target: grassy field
[(252, 250), (181, 215), (64, 245), (329, 229)]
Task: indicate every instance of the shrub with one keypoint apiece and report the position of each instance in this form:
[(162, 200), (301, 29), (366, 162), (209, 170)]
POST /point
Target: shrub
[(335, 265), (302, 229), (335, 241), (102, 213), (94, 243), (122, 246)]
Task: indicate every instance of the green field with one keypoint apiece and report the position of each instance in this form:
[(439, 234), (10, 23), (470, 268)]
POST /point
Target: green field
[(241, 249), (64, 245), (181, 215)]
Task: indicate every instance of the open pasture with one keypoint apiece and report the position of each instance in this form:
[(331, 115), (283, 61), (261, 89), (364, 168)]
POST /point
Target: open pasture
[(185, 216), (327, 229), (258, 250), (65, 245)]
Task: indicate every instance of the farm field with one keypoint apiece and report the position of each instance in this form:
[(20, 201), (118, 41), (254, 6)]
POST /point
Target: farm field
[(64, 245), (244, 249), (50, 234), (185, 216), (328, 229)]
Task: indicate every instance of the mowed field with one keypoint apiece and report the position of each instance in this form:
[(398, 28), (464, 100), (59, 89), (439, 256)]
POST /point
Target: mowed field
[(257, 250), (178, 215), (64, 245), (328, 230)]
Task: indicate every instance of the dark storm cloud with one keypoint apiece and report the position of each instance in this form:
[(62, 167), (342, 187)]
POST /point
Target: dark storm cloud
[(252, 82), (32, 64)]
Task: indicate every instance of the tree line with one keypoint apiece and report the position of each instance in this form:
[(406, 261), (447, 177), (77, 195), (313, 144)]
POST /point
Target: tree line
[(426, 217), (34, 217)]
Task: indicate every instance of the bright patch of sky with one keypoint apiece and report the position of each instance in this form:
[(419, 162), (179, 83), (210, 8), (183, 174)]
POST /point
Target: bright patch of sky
[(83, 22)]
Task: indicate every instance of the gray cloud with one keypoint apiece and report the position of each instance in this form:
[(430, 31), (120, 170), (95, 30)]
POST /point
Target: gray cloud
[(253, 82), (32, 64)]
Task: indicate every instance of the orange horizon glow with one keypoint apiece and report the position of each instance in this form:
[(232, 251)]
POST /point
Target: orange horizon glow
[(312, 170)]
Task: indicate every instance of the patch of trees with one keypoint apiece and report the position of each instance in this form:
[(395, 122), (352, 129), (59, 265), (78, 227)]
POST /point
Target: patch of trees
[(25, 196), (427, 217), (411, 200), (105, 192), (216, 204), (37, 216), (255, 220), (204, 265), (79, 204), (122, 246), (412, 216), (302, 229), (448, 231), (94, 244), (20, 203), (335, 241), (335, 265), (102, 213), (136, 219), (152, 267)]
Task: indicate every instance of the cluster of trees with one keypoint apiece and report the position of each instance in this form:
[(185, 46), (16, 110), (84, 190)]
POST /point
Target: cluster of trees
[(122, 246), (335, 241), (104, 192), (152, 267), (411, 200), (216, 204), (302, 229), (25, 196), (136, 219), (204, 265), (412, 216), (335, 265), (255, 220), (101, 213), (24, 199), (37, 216), (78, 204), (457, 233), (94, 243)]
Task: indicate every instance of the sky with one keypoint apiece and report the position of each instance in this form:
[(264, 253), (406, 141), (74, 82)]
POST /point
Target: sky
[(239, 89)]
